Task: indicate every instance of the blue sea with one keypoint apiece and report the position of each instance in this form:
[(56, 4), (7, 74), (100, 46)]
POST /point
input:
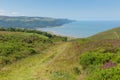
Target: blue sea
[(82, 29)]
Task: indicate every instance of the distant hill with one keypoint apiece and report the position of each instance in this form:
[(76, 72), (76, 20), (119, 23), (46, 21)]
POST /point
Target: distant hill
[(109, 34), (31, 22)]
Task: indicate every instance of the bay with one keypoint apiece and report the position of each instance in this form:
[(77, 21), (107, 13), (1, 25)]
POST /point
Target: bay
[(82, 29)]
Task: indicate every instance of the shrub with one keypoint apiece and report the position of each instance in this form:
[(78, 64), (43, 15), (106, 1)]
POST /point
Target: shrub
[(32, 51), (105, 74), (116, 58), (94, 58)]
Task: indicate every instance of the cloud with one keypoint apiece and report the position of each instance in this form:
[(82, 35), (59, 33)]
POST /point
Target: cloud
[(6, 13)]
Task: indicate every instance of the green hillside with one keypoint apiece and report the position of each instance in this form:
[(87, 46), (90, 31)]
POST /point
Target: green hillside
[(31, 22), (16, 44), (33, 55), (110, 34)]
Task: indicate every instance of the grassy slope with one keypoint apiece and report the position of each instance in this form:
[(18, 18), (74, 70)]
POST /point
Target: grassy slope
[(59, 62), (53, 64), (110, 34), (27, 68), (18, 45)]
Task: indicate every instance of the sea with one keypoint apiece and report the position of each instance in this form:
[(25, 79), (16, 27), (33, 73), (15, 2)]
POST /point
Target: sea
[(83, 29)]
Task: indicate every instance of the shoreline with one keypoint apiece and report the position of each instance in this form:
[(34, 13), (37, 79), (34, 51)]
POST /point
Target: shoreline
[(54, 33)]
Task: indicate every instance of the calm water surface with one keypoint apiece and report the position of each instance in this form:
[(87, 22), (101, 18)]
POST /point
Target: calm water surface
[(82, 29)]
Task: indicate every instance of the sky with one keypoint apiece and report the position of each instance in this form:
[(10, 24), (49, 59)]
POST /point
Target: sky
[(71, 9)]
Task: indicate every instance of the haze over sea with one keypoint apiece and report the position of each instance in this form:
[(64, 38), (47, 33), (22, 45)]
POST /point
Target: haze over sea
[(82, 29)]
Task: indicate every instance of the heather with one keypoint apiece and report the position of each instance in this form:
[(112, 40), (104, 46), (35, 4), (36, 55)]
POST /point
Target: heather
[(102, 62)]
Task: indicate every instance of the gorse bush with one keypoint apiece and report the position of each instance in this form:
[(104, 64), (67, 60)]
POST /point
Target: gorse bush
[(94, 58), (14, 51), (112, 73)]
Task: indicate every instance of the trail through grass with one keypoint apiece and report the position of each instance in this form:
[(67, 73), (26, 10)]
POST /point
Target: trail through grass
[(25, 69), (56, 63)]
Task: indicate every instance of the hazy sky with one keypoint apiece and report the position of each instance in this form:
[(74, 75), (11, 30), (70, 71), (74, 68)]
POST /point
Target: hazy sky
[(72, 9)]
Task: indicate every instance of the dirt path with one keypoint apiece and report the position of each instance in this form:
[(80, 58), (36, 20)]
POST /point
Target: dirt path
[(59, 52), (117, 35)]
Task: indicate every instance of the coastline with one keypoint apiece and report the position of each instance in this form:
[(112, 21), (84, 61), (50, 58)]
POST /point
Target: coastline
[(58, 34), (81, 29)]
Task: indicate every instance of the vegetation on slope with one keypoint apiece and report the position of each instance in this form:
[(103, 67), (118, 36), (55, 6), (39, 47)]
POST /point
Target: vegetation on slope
[(16, 44), (102, 60), (31, 22), (53, 64), (110, 34), (79, 59)]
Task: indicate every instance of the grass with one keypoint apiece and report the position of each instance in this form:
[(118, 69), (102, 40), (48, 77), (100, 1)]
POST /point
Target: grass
[(18, 70), (62, 65), (57, 58), (53, 64), (16, 44), (109, 34), (32, 68)]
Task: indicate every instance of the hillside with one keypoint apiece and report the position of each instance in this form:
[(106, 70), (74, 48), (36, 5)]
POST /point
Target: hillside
[(31, 22), (16, 44), (46, 57), (109, 34), (58, 62)]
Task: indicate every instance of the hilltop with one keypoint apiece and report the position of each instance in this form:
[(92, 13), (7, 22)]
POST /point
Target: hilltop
[(31, 22), (109, 34)]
